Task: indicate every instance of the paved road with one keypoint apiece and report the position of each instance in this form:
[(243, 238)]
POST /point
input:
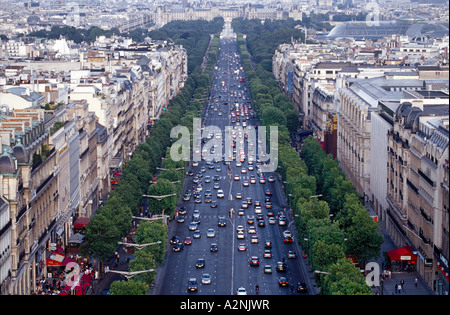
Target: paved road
[(229, 268)]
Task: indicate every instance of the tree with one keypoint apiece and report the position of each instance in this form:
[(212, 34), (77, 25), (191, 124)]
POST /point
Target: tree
[(130, 287), (101, 237), (162, 187), (273, 116), (325, 254), (150, 232), (344, 278)]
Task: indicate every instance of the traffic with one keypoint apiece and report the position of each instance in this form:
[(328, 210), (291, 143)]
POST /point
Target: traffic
[(232, 231)]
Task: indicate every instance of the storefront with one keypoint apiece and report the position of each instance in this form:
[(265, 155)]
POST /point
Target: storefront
[(402, 259)]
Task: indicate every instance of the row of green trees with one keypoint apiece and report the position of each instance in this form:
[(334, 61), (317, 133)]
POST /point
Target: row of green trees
[(113, 221), (330, 229)]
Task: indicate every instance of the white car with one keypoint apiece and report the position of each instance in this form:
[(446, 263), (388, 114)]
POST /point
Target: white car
[(220, 194), (241, 291), (206, 278), (210, 233), (240, 235), (287, 233)]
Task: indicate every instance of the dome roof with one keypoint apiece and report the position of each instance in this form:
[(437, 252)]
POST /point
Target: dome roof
[(7, 164), (21, 154)]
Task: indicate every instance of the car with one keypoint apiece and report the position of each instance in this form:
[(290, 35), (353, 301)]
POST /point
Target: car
[(271, 179), (250, 219), (196, 220), (268, 244), (197, 234), (208, 199), (210, 233), (240, 235), (267, 253), (258, 210), (238, 195), (261, 223), (214, 247), (198, 200), (192, 285), (288, 240), (208, 193), (220, 194), (260, 217), (244, 204), (241, 211), (301, 287), (216, 178), (249, 200), (190, 173), (214, 204), (267, 269), (193, 226), (257, 203), (262, 180), (245, 183), (240, 228), (282, 221), (251, 230), (177, 247), (272, 220), (187, 240), (254, 261), (216, 185), (174, 240), (222, 221), (292, 254), (237, 177), (254, 239), (281, 267), (270, 213), (241, 291), (287, 233), (200, 263), (207, 179), (242, 247), (182, 210), (180, 219), (252, 179), (268, 192), (206, 278), (283, 282), (268, 205)]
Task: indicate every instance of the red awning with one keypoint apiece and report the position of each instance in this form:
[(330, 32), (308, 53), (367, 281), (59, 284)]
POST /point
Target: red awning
[(403, 253), (81, 222), (55, 259)]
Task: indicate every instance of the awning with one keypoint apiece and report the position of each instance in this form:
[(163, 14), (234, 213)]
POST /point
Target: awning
[(55, 259), (403, 253), (81, 222), (76, 238)]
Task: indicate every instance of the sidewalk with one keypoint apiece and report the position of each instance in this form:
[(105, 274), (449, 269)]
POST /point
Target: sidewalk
[(387, 286)]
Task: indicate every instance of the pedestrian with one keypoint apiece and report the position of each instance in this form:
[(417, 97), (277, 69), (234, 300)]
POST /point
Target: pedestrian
[(396, 287), (399, 289), (415, 282)]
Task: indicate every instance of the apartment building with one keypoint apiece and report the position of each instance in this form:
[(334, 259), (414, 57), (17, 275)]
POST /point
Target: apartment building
[(417, 182)]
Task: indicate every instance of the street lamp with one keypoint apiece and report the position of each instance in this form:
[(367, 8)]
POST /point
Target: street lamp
[(159, 198), (139, 246)]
